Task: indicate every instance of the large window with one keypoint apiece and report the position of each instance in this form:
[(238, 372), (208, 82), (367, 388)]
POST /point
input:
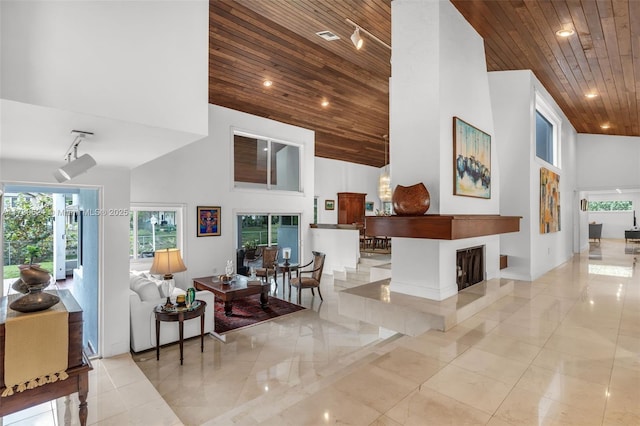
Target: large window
[(261, 230), (547, 133), (153, 228), (265, 163)]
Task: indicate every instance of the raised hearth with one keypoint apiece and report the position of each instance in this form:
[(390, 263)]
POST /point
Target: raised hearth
[(441, 227)]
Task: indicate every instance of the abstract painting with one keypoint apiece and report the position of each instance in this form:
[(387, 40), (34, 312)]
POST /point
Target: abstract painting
[(549, 201), (471, 160)]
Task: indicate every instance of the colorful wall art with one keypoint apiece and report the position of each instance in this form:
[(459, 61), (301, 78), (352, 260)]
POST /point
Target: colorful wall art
[(549, 201), (471, 160)]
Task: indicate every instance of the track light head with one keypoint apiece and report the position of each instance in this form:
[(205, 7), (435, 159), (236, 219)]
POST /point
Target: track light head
[(357, 39), (76, 165)]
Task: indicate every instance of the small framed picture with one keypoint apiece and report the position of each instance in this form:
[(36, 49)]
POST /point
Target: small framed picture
[(208, 221), (329, 204), (368, 206)]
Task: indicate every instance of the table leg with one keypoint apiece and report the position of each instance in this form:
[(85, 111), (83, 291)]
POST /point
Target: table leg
[(202, 332), (227, 308), (83, 390), (181, 328), (264, 298), (157, 339)]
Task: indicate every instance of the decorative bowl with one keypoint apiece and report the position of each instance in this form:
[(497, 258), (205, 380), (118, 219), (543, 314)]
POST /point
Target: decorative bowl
[(411, 200)]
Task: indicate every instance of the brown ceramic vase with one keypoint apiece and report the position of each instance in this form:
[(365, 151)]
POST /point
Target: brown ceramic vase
[(411, 200)]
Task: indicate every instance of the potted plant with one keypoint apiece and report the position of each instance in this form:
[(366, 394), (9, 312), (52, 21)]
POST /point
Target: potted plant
[(250, 249), (34, 252)]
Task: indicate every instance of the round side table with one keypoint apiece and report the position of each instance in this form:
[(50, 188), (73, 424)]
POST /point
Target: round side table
[(180, 314)]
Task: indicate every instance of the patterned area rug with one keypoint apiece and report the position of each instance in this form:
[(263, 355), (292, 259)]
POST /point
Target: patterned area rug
[(247, 312)]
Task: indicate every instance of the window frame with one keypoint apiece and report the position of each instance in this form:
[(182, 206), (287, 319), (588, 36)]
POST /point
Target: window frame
[(268, 187), (547, 112), (179, 220)]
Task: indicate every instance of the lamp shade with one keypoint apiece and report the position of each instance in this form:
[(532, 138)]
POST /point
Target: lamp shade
[(77, 166), (166, 262)]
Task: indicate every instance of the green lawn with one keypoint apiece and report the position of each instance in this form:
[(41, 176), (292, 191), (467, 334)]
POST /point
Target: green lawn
[(12, 271)]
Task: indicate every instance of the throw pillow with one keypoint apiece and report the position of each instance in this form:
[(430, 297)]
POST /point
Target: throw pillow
[(148, 291)]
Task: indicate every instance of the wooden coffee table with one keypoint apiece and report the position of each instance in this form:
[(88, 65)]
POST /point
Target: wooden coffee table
[(236, 289)]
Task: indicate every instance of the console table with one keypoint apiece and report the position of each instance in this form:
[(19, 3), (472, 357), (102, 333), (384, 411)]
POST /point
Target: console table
[(78, 365), (631, 235)]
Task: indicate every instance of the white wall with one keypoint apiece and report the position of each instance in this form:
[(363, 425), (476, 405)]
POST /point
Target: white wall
[(201, 174), (608, 162), (113, 184), (333, 176), (531, 253), (136, 61), (438, 72)]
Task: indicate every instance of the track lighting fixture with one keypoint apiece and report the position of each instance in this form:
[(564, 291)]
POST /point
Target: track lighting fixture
[(356, 39), (77, 165)]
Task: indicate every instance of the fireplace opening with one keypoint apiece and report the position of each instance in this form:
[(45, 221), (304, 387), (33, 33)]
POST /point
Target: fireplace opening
[(469, 266)]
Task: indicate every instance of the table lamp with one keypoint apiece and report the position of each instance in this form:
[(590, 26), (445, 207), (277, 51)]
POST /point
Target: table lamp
[(166, 262), (286, 255)]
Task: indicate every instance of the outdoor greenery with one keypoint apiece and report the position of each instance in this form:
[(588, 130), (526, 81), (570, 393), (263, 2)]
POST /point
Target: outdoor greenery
[(28, 230), (607, 206), (164, 230)]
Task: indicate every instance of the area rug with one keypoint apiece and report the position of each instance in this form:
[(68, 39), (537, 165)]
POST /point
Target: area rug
[(247, 312)]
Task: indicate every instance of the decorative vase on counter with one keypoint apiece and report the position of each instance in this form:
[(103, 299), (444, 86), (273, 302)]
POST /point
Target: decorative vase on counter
[(33, 279), (411, 200)]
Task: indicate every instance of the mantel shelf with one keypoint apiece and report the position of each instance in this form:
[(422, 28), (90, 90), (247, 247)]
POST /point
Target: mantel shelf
[(441, 227)]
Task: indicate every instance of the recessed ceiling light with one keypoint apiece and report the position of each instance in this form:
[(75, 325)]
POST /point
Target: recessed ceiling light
[(565, 32), (591, 95), (605, 126), (324, 103), (267, 83)]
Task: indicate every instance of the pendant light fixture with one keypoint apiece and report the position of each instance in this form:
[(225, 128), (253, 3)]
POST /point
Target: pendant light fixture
[(384, 181)]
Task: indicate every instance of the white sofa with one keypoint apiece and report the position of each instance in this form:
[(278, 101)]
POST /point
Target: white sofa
[(145, 295)]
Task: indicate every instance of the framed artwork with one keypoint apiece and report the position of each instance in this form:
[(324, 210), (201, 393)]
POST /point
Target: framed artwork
[(329, 204), (549, 201), (368, 206), (471, 160), (208, 221), (387, 208)]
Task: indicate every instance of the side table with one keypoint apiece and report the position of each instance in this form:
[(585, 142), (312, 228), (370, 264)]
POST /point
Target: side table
[(180, 314), (286, 269)]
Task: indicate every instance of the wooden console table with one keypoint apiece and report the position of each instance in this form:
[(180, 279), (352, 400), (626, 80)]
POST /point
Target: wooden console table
[(78, 365)]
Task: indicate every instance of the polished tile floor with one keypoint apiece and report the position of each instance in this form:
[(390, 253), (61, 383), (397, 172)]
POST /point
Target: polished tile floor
[(562, 350)]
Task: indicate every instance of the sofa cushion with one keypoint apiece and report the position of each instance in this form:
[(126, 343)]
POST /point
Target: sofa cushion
[(146, 289)]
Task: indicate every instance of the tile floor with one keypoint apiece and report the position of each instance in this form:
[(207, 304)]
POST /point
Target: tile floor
[(562, 350)]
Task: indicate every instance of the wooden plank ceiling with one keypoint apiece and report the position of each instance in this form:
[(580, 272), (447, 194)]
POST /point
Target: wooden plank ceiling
[(252, 41)]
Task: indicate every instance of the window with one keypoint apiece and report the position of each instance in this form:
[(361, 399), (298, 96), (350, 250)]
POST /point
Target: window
[(153, 228), (265, 163), (260, 230), (547, 133), (610, 206)]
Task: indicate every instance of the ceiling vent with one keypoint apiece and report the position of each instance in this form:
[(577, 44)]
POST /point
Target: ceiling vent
[(328, 35)]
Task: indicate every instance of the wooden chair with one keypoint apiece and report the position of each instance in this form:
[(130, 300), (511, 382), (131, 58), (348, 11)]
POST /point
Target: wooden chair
[(311, 282), (269, 257)]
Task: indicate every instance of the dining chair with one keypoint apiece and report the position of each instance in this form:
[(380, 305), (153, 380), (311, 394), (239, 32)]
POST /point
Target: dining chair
[(269, 264), (311, 282)]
